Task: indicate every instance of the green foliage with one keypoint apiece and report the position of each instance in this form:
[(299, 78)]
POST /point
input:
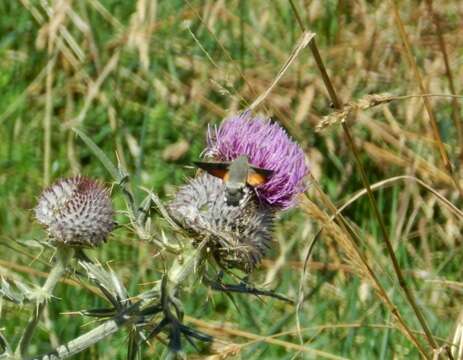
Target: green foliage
[(142, 108)]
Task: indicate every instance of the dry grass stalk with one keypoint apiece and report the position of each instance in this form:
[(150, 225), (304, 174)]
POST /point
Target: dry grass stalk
[(337, 104), (304, 40), (427, 103), (367, 102), (267, 339), (449, 73), (341, 232)]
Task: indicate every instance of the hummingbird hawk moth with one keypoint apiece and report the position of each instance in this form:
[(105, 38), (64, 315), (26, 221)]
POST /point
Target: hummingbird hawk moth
[(237, 175)]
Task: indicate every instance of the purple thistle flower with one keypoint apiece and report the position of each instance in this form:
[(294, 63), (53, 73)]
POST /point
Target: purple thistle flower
[(268, 146), (76, 211)]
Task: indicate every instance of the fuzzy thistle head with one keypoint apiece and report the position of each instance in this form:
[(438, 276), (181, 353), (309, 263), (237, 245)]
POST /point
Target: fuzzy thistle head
[(238, 236), (76, 211), (267, 146)]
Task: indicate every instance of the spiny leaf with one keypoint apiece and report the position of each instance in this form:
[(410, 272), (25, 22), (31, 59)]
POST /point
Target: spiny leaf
[(8, 293), (133, 349), (108, 282), (105, 312)]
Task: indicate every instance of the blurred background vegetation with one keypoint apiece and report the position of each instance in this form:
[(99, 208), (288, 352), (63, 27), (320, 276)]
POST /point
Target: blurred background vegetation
[(145, 78)]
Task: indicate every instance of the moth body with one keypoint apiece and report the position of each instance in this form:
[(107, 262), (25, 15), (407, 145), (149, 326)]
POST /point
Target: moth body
[(239, 177)]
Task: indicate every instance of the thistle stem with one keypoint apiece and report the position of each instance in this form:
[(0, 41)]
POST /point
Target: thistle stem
[(177, 274), (63, 256), (88, 339)]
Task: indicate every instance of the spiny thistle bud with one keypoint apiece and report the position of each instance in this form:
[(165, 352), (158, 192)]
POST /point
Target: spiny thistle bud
[(76, 211), (237, 236), (267, 146)]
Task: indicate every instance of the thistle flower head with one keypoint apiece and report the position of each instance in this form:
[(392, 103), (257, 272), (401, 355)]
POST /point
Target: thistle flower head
[(237, 236), (76, 211), (267, 146)]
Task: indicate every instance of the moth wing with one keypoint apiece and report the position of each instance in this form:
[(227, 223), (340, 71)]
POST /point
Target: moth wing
[(216, 169), (258, 176)]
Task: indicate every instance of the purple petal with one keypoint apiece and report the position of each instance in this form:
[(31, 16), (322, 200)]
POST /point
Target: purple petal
[(268, 146)]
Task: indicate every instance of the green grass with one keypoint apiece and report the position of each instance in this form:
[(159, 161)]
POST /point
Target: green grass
[(142, 108)]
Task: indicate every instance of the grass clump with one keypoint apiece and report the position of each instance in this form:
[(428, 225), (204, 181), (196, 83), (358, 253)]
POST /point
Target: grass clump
[(375, 272)]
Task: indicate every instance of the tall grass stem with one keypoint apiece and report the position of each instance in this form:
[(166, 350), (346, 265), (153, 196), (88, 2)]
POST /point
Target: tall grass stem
[(338, 105)]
